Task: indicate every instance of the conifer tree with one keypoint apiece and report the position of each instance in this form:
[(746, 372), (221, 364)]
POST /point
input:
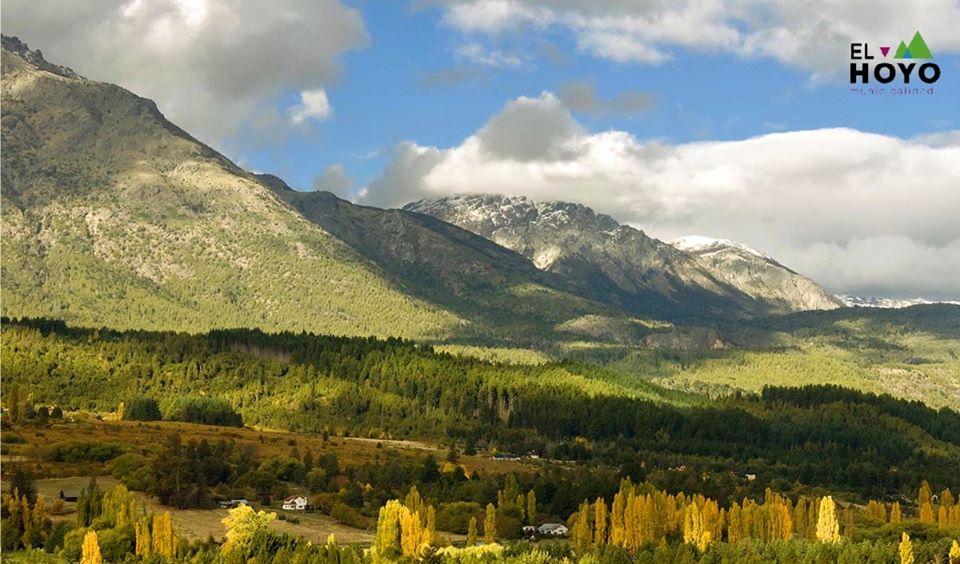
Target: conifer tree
[(906, 549), (828, 529), (90, 552)]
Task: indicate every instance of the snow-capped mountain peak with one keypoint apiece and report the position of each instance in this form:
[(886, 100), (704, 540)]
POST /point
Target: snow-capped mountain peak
[(704, 245)]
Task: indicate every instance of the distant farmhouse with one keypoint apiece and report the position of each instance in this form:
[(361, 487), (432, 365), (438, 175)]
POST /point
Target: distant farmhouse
[(69, 495), (553, 530), (295, 503)]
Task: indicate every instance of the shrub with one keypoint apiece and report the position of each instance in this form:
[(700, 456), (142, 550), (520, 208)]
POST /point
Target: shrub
[(208, 411), (142, 409), (83, 451), (347, 515)]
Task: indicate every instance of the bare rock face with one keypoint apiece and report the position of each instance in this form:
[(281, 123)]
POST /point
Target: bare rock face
[(622, 265), (757, 274)]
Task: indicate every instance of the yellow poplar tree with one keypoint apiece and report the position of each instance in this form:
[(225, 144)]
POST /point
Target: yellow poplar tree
[(431, 530), (581, 535), (472, 532), (954, 553), (386, 542), (800, 517), (162, 536), (692, 525), (617, 527), (600, 522), (925, 503), (91, 549), (142, 531), (243, 525), (411, 532), (906, 549), (490, 524), (895, 515), (531, 508), (876, 511), (828, 529), (734, 524)]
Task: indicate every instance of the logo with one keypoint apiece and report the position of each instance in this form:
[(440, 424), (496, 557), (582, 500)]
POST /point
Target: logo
[(910, 66)]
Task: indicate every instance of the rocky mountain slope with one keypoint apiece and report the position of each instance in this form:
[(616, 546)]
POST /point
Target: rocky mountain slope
[(619, 264), (490, 288), (756, 274), (114, 216)]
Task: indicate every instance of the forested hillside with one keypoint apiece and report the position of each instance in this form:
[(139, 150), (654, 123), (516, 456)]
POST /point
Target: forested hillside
[(565, 410)]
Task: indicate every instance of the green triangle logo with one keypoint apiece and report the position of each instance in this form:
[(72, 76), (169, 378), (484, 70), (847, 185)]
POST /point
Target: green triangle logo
[(918, 48), (902, 51)]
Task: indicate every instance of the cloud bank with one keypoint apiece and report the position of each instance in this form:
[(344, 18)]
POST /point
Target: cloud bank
[(857, 211), (813, 34), (211, 65)]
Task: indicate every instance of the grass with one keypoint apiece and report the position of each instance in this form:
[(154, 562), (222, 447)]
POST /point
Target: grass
[(199, 524), (143, 437)]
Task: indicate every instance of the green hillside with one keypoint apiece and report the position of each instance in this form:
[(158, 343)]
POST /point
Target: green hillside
[(566, 410), (911, 353), (113, 216)]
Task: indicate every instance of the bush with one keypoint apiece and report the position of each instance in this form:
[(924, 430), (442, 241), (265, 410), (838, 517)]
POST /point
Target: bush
[(455, 516), (83, 451), (132, 469), (208, 411), (347, 515), (142, 409)]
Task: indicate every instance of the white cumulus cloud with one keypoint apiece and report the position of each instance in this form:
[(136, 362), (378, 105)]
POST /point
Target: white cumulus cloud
[(212, 66), (313, 105), (813, 34), (855, 210)]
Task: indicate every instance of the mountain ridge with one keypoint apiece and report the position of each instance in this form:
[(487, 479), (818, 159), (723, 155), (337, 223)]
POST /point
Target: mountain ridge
[(572, 239)]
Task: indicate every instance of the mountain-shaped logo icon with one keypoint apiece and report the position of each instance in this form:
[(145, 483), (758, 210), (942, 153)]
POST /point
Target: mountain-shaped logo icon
[(916, 50)]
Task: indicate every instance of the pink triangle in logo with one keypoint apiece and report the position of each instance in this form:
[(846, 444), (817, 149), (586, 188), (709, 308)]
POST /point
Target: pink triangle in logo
[(885, 50)]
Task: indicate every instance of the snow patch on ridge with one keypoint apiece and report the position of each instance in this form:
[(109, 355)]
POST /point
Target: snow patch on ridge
[(701, 244)]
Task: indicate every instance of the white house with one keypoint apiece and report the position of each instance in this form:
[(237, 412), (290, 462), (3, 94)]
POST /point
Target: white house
[(553, 530), (295, 503)]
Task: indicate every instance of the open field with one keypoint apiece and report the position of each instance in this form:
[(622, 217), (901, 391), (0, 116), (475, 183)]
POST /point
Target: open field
[(199, 524), (144, 437)]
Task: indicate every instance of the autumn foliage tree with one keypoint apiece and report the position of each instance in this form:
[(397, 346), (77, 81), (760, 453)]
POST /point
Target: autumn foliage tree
[(828, 528)]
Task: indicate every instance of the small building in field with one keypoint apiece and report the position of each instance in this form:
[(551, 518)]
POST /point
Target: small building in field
[(69, 495), (553, 530), (295, 503)]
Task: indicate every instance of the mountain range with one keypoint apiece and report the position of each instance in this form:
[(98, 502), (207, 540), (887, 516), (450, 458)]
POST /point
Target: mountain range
[(114, 216)]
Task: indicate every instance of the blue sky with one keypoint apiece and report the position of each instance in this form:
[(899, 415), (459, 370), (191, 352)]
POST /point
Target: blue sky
[(722, 118), (382, 96)]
